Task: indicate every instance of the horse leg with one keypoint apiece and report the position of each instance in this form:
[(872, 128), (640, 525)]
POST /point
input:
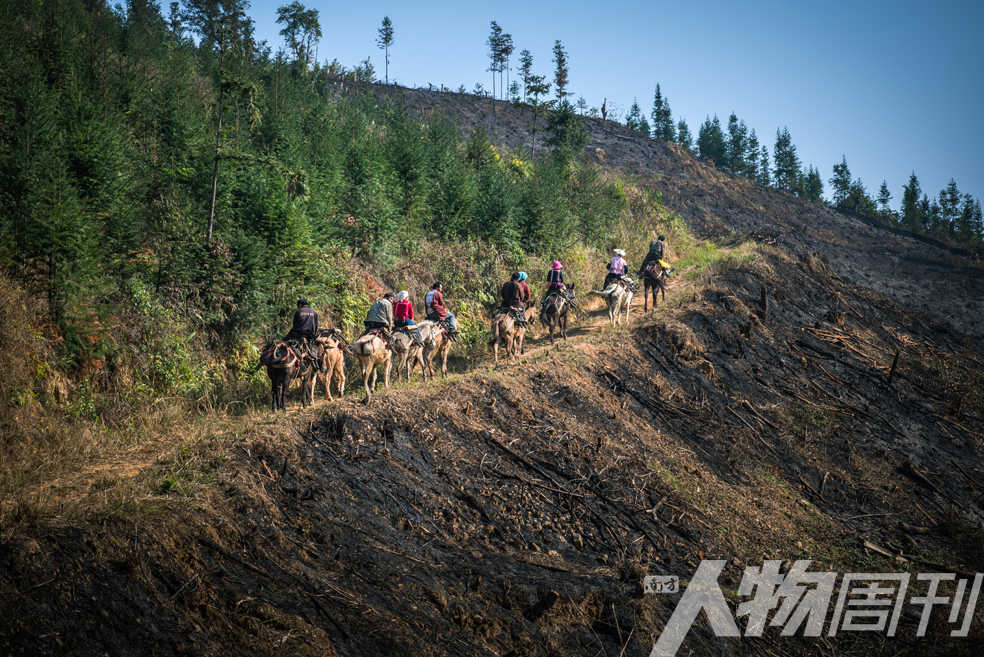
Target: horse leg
[(645, 296), (444, 360), (386, 373)]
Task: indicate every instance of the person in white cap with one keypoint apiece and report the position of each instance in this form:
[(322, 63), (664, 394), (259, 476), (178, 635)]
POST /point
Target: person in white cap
[(403, 316), (617, 268)]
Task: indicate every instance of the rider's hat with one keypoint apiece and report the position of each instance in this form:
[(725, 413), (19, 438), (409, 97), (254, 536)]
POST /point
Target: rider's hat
[(556, 264), (620, 252)]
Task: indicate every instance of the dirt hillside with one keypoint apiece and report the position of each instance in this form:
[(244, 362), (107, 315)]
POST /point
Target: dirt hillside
[(514, 511), (780, 406)]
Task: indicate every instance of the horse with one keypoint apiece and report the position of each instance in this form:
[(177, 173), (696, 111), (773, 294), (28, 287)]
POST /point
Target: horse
[(509, 332), (283, 365), (436, 343), (618, 296), (407, 353), (555, 309), (653, 278), (332, 361), (372, 352)]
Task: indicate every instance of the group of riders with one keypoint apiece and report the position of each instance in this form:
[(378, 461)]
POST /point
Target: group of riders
[(394, 312)]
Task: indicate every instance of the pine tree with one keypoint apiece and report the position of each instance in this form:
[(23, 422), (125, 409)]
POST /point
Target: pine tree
[(525, 68), (536, 87), (505, 52), (301, 30), (684, 138), (751, 156), (786, 172), (841, 184), (710, 142), (949, 201), (644, 125), (494, 42), (560, 70), (910, 212), (633, 118), (384, 39), (663, 127), (965, 221), (884, 199), (582, 105), (737, 145), (813, 185), (763, 177)]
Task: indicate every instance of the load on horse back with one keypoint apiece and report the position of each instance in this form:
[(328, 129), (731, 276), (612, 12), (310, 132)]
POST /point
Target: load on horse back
[(373, 352), (331, 360), (653, 279), (555, 309), (283, 365)]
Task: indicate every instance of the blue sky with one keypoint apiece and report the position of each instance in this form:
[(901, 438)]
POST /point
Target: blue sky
[(894, 86)]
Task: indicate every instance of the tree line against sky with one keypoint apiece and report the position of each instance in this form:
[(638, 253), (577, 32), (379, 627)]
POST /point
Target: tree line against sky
[(949, 215)]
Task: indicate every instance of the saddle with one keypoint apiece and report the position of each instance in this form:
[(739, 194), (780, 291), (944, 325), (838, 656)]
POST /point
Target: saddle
[(281, 354), (382, 334), (518, 314)]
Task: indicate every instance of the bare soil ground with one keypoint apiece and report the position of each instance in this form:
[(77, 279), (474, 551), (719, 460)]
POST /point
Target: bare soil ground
[(515, 510)]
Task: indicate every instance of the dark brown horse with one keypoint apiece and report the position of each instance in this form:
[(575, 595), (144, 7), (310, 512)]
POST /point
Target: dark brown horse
[(653, 278), (555, 309), (283, 365)]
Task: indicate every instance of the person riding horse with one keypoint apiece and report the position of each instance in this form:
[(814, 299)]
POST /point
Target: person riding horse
[(436, 310), (380, 316), (514, 298), (555, 283), (657, 251), (403, 317), (303, 332), (617, 269)]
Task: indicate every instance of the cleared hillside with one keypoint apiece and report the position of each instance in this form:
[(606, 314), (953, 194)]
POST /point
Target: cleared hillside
[(911, 269), (515, 511)]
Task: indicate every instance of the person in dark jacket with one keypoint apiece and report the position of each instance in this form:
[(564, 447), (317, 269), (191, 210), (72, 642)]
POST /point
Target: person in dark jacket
[(304, 330), (512, 294), (657, 251)]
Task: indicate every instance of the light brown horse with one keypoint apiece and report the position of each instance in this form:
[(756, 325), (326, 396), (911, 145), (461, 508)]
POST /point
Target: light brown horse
[(653, 278), (331, 347), (372, 352), (510, 332)]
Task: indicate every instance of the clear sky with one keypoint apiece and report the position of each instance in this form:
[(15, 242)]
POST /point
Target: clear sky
[(895, 86)]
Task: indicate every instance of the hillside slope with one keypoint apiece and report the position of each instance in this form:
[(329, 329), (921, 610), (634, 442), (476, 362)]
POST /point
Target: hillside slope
[(514, 511), (909, 268)]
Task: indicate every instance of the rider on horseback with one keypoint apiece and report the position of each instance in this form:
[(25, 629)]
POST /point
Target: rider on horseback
[(380, 316), (617, 269), (514, 298), (304, 330), (657, 251), (437, 312), (555, 283), (403, 317)]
